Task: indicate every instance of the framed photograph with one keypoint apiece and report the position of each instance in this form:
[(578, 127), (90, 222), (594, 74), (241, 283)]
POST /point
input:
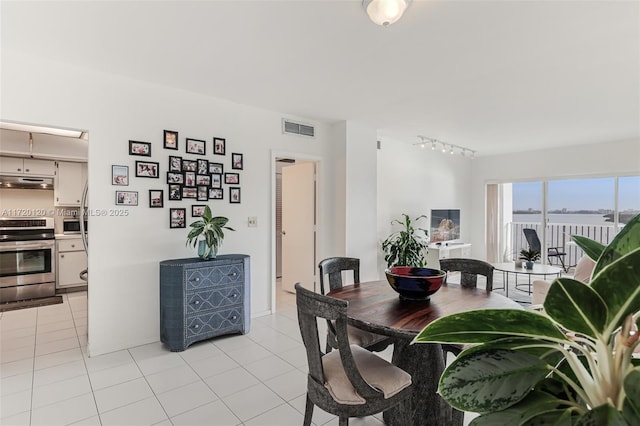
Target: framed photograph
[(175, 164), (216, 194), (203, 167), (120, 175), (232, 178), (197, 210), (216, 180), (189, 192), (156, 198), (189, 178), (189, 165), (236, 161), (126, 198), (170, 139), (216, 168), (175, 192), (203, 180), (203, 193), (175, 178), (234, 195), (218, 146), (147, 169), (177, 218), (195, 146), (140, 148)]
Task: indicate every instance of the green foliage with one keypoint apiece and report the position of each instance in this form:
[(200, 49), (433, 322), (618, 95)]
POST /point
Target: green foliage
[(569, 365), (529, 255), (211, 229), (406, 247)]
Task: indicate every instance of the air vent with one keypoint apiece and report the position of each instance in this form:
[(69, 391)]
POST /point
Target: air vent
[(292, 127)]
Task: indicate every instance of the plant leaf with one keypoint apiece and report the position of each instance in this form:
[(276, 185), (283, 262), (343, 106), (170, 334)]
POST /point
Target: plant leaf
[(627, 240), (576, 306), (486, 325), (591, 248), (552, 418), (618, 285), (604, 415), (532, 405), (631, 405), (490, 380)]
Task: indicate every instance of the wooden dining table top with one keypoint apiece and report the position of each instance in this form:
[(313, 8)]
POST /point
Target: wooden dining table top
[(376, 307)]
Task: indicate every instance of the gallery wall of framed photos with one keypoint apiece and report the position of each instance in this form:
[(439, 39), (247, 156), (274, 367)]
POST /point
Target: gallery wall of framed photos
[(197, 171)]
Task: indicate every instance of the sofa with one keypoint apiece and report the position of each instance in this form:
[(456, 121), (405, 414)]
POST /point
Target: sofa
[(582, 272)]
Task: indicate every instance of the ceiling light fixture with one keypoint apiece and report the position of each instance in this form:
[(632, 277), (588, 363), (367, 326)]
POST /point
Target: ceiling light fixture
[(465, 152), (385, 12), (31, 128)]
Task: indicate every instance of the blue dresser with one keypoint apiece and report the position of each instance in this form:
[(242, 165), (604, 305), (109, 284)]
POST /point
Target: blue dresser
[(200, 299)]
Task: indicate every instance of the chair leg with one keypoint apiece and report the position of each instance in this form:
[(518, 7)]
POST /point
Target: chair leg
[(344, 421), (308, 412)]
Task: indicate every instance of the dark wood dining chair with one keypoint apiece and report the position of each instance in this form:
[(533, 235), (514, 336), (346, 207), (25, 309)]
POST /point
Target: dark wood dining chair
[(469, 270), (534, 244), (332, 268), (351, 381)]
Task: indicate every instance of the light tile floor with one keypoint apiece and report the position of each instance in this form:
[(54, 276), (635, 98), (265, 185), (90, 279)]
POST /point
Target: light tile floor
[(46, 377)]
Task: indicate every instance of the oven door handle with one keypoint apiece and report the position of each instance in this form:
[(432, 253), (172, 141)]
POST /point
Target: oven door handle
[(25, 246)]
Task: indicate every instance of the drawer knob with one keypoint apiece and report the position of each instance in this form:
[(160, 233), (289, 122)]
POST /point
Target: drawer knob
[(197, 302), (234, 295), (234, 317), (73, 245), (233, 274), (196, 279), (196, 326)]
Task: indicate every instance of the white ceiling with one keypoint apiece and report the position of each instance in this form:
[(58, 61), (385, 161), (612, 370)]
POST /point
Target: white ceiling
[(493, 76)]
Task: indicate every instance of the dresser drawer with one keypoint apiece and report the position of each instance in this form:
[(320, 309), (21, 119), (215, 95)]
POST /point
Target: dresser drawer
[(216, 276), (215, 298), (213, 323)]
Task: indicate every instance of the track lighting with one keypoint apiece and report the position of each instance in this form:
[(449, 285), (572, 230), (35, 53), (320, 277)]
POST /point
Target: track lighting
[(465, 152)]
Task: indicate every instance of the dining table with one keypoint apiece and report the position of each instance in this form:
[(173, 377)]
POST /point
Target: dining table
[(374, 306)]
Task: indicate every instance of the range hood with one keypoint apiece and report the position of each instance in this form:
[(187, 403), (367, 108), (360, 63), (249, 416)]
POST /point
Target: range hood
[(23, 182)]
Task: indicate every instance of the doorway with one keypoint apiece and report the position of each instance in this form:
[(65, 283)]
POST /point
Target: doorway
[(295, 207)]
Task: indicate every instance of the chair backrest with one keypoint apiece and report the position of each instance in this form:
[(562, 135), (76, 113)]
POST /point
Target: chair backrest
[(333, 267), (312, 306), (470, 269), (532, 239)]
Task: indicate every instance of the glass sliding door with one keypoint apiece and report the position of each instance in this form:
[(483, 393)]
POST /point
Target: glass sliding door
[(528, 213), (628, 198)]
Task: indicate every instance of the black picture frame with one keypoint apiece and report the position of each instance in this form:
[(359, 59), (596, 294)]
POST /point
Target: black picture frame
[(170, 139), (234, 194), (196, 146), (237, 162), (189, 179), (175, 164), (120, 175), (197, 210), (140, 148), (126, 198), (203, 167), (203, 193), (189, 165), (219, 146), (189, 192), (216, 180), (175, 192), (216, 194), (147, 169), (173, 177), (203, 180), (217, 168), (232, 178), (177, 218), (156, 198)]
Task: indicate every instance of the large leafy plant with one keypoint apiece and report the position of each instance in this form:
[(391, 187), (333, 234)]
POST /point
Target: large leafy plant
[(571, 364), (406, 247), (211, 228)]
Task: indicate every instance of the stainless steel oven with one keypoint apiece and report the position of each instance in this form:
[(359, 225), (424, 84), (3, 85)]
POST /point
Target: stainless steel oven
[(27, 258)]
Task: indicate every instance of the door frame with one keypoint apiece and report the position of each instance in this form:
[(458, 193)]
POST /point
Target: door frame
[(296, 156)]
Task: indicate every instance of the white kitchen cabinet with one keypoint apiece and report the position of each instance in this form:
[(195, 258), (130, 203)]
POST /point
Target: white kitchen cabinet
[(72, 260), (69, 183), (26, 166), (452, 250)]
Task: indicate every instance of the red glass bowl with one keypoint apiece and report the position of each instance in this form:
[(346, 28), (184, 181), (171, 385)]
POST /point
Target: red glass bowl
[(415, 283)]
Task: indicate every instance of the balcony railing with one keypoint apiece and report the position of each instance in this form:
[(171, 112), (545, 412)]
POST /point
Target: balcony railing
[(559, 235)]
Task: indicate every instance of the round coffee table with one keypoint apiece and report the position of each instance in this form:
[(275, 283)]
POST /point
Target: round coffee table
[(510, 268)]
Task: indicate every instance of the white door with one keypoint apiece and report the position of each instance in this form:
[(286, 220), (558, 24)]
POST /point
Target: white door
[(298, 226)]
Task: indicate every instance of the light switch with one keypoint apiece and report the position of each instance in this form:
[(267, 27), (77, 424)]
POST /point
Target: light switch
[(252, 222)]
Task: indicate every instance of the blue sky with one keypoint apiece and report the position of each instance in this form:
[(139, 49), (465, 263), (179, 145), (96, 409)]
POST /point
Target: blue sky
[(578, 194)]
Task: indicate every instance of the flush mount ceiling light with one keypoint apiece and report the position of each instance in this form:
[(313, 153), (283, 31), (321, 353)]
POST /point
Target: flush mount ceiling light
[(31, 128), (385, 12)]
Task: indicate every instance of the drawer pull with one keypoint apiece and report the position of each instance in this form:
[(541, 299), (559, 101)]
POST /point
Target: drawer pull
[(196, 279), (233, 274), (197, 302), (196, 326), (234, 295), (235, 317)]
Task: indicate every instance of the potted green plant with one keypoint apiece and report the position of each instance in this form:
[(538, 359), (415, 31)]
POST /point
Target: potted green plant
[(406, 247), (571, 364), (210, 228), (529, 256)]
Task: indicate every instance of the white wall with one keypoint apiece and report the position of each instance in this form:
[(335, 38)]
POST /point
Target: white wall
[(125, 249), (414, 180), (605, 159)]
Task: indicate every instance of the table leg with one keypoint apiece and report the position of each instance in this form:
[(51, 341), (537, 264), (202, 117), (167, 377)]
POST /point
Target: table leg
[(425, 363)]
